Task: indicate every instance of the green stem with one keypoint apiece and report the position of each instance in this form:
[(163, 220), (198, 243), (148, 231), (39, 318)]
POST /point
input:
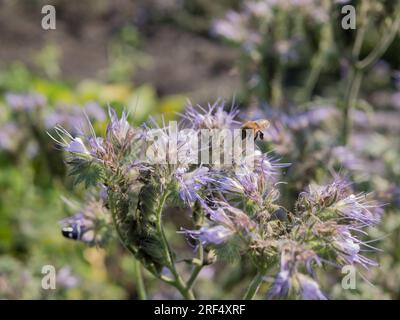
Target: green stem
[(197, 268), (380, 49), (141, 290), (253, 287), (358, 68), (318, 61), (178, 283), (350, 102)]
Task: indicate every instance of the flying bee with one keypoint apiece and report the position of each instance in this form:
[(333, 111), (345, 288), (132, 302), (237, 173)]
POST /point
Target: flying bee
[(257, 127), (73, 232)]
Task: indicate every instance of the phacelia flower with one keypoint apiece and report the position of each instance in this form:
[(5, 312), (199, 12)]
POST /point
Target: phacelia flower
[(281, 285), (293, 257), (67, 142), (77, 146), (190, 183), (118, 129), (309, 288), (349, 247), (215, 117), (358, 209)]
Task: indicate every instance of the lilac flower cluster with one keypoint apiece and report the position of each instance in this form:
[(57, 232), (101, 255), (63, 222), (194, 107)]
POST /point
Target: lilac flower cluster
[(235, 205)]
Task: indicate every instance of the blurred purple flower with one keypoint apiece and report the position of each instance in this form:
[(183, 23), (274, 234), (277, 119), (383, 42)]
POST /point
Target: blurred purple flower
[(281, 285), (94, 111), (309, 288), (66, 279), (25, 102), (9, 136)]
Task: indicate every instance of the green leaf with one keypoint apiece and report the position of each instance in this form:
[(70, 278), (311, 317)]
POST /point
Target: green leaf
[(87, 172)]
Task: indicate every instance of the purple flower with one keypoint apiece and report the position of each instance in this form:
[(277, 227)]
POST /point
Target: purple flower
[(349, 247), (281, 285), (348, 158), (358, 209), (25, 102), (293, 255), (233, 27), (66, 279), (318, 197), (73, 145), (77, 146), (118, 128), (215, 117), (215, 235), (94, 111), (247, 184), (190, 183), (10, 134), (312, 117), (309, 288)]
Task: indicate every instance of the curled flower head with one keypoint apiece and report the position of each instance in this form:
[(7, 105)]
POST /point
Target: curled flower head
[(239, 219), (318, 197)]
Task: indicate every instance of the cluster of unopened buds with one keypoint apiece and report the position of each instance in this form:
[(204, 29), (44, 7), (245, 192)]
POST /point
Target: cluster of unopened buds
[(235, 204)]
